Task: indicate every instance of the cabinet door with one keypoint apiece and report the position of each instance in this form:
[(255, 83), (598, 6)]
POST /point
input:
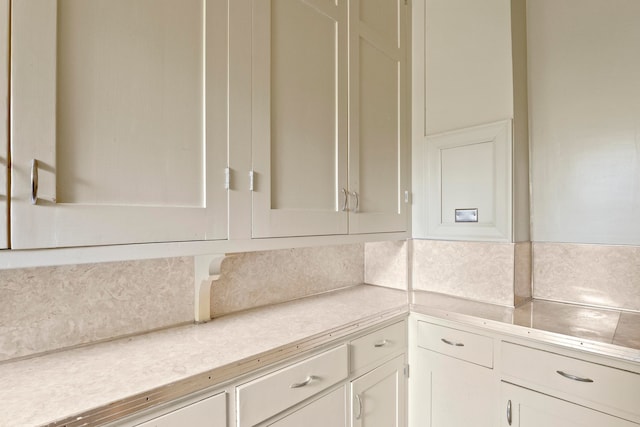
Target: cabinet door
[(4, 122), (299, 117), (378, 399), (119, 107), (378, 122), (329, 410), (526, 408), (447, 392)]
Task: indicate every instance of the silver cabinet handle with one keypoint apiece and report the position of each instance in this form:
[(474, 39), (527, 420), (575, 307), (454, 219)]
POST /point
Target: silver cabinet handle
[(359, 407), (303, 383), (509, 415), (355, 194), (575, 378), (381, 343), (455, 344), (34, 181), (345, 203)]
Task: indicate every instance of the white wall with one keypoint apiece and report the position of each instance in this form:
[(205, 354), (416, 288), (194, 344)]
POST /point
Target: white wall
[(584, 105)]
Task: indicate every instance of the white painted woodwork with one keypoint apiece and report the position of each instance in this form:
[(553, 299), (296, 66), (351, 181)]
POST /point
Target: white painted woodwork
[(378, 398), (267, 396), (125, 110), (456, 343), (448, 392), (584, 64), (377, 345), (610, 390), (378, 115), (299, 117), (531, 409), (4, 123), (209, 412), (469, 70), (328, 411), (470, 169)]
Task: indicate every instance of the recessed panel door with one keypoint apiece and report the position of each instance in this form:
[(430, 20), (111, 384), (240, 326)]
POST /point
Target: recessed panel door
[(299, 117), (118, 121)]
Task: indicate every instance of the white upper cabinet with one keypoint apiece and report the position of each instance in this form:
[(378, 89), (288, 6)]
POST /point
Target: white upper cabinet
[(118, 122), (4, 122), (329, 129), (378, 123), (470, 128), (299, 117)]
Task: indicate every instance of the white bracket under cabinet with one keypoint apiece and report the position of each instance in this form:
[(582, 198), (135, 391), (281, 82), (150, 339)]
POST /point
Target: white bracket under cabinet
[(468, 169)]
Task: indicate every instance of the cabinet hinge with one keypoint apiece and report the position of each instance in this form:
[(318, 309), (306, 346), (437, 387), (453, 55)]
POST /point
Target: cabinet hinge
[(406, 370), (251, 180), (227, 178)]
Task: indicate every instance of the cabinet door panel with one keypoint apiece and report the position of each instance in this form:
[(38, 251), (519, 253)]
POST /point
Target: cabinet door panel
[(452, 393), (378, 139), (532, 409), (379, 397), (124, 110), (299, 99)]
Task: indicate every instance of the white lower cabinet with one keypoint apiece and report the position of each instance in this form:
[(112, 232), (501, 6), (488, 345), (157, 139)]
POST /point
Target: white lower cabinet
[(209, 412), (328, 410), (453, 383), (276, 392), (527, 408), (378, 398)]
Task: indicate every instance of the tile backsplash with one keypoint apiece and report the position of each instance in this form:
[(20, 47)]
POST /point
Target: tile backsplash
[(49, 308), (254, 279), (598, 275)]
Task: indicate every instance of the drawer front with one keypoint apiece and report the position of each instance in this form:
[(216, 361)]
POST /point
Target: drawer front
[(269, 395), (210, 412), (378, 344), (462, 345), (567, 376)]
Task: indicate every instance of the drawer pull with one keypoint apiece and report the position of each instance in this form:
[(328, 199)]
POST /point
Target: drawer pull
[(455, 344), (575, 378), (509, 413), (304, 383), (381, 343), (359, 407)]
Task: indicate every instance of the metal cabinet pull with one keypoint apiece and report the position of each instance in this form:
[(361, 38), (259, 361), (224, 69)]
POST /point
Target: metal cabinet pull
[(359, 407), (34, 181), (381, 343), (345, 202), (303, 383), (355, 194), (455, 344), (509, 415), (575, 378)]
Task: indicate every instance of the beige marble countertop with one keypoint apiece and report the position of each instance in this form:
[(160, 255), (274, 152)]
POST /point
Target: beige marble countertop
[(606, 332), (57, 386)]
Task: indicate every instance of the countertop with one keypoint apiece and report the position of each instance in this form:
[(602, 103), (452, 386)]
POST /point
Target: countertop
[(605, 332), (56, 387), (61, 385)]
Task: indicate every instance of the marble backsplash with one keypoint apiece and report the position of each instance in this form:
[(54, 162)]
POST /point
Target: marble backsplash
[(496, 273), (387, 264), (254, 279), (597, 275), (49, 308)]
